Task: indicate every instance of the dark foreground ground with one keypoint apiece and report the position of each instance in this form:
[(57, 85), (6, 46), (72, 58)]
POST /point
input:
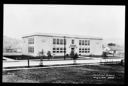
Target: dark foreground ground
[(88, 74)]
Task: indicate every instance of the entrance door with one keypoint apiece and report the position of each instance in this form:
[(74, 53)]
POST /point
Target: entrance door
[(72, 49)]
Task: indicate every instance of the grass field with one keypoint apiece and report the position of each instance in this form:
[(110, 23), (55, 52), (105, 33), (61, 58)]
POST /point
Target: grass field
[(87, 74)]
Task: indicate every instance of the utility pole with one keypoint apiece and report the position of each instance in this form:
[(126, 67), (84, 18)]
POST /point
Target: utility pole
[(41, 57), (28, 61), (64, 47)]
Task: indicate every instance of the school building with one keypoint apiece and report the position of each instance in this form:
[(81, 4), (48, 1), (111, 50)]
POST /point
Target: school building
[(60, 44)]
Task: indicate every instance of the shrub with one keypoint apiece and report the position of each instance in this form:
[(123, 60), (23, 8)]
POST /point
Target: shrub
[(104, 54)]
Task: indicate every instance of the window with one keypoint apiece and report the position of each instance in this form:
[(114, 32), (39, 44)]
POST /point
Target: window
[(59, 50), (31, 49), (88, 42), (79, 42), (54, 48), (57, 41), (61, 41), (31, 41), (72, 41), (54, 41), (82, 42), (54, 51), (84, 50)]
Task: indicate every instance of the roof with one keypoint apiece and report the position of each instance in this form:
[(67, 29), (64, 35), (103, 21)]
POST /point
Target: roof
[(61, 35)]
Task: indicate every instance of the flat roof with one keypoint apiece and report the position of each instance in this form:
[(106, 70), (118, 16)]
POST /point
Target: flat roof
[(62, 35)]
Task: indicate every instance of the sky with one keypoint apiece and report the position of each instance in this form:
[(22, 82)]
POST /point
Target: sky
[(105, 21)]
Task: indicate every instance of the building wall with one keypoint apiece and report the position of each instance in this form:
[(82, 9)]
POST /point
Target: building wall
[(46, 43), (83, 46), (96, 47), (26, 45), (43, 43)]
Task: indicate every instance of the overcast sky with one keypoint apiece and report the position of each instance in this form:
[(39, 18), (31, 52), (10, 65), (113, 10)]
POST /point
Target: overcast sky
[(106, 21)]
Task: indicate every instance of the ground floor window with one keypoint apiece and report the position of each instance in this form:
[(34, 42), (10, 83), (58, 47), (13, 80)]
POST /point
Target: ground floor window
[(30, 49), (84, 50), (59, 50)]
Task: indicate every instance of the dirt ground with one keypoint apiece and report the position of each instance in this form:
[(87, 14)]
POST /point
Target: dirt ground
[(87, 74)]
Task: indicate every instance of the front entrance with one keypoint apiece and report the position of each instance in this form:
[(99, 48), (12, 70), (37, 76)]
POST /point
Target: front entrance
[(72, 49)]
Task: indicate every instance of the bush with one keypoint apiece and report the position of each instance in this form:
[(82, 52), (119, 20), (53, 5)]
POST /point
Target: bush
[(104, 54), (49, 55)]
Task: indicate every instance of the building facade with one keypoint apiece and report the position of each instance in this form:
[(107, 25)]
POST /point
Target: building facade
[(60, 45)]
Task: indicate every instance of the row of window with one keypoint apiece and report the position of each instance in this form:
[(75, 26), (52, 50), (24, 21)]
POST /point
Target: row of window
[(62, 41), (59, 50), (84, 42), (84, 50), (59, 41)]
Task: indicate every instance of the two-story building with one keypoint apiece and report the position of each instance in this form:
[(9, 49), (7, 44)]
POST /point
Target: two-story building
[(59, 44)]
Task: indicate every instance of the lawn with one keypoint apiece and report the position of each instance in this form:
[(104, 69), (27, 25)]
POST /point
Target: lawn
[(87, 74)]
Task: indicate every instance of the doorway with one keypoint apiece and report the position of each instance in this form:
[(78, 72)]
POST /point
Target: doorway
[(72, 49)]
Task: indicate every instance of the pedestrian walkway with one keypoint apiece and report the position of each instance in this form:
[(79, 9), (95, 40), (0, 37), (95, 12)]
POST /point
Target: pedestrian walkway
[(8, 59), (33, 63), (51, 66)]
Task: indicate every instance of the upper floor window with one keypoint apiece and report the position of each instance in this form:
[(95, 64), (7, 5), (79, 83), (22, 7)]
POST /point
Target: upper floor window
[(31, 41), (84, 42), (59, 41), (54, 41), (79, 42), (72, 41), (88, 42)]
